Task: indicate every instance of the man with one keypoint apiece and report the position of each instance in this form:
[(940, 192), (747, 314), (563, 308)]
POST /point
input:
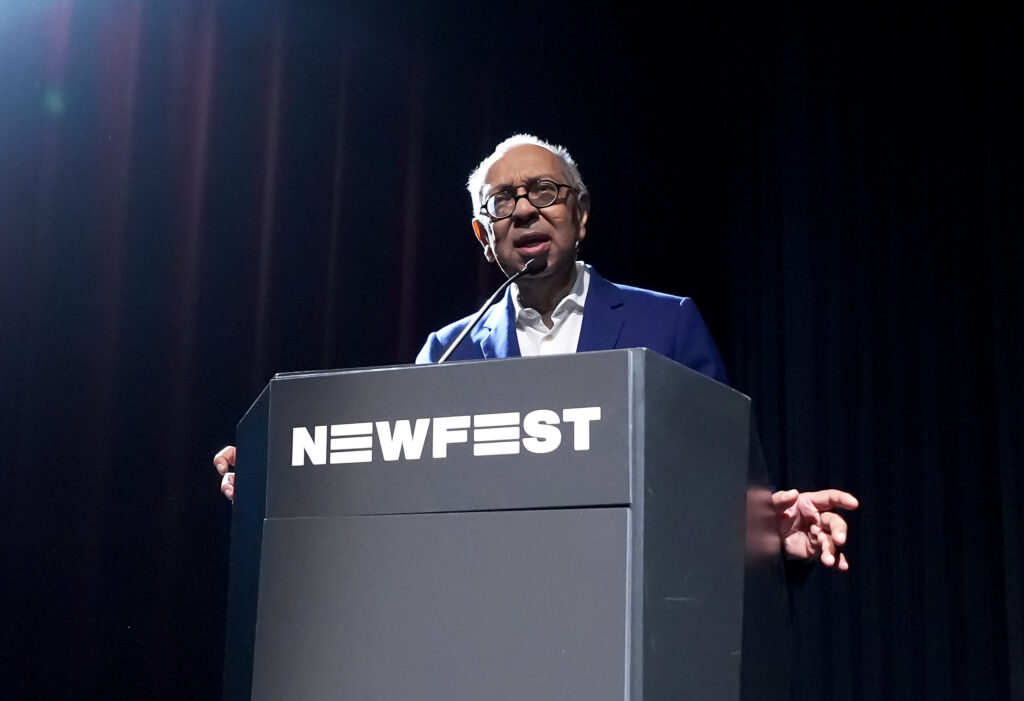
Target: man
[(530, 203)]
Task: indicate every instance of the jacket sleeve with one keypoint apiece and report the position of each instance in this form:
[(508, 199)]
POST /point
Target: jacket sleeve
[(694, 346)]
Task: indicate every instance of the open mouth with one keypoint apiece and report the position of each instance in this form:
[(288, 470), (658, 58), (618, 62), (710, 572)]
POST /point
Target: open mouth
[(533, 244)]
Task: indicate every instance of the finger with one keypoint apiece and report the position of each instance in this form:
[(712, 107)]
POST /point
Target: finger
[(828, 550), (224, 459), (800, 546), (227, 485), (784, 498), (836, 526), (832, 499), (783, 502), (806, 510), (844, 565)]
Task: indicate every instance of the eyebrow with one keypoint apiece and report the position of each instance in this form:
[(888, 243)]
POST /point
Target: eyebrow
[(500, 187)]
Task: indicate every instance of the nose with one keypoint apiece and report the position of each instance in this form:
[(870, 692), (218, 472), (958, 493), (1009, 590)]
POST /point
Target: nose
[(523, 208)]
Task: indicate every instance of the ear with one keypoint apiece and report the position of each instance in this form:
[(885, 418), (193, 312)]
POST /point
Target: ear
[(581, 230), (583, 214), (481, 235)]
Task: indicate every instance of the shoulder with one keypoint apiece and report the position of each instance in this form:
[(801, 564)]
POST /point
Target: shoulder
[(644, 304), (628, 294), (668, 324), (452, 330), (439, 341), (644, 296)]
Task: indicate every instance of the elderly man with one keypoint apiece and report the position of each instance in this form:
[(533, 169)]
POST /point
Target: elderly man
[(530, 203)]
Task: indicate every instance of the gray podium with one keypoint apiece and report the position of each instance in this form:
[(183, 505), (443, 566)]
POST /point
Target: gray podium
[(578, 527)]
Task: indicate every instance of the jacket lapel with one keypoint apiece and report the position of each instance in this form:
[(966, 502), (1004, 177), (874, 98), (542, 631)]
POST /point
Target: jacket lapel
[(603, 316), (499, 339)]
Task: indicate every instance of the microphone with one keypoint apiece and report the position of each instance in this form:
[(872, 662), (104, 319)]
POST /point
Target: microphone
[(532, 267)]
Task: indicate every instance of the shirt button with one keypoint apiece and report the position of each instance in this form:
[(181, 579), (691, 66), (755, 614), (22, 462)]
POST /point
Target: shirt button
[(549, 338)]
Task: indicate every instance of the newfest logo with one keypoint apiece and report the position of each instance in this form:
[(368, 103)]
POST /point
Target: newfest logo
[(539, 431)]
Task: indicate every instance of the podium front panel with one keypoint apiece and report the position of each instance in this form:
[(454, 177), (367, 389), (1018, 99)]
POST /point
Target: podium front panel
[(501, 606), (416, 439)]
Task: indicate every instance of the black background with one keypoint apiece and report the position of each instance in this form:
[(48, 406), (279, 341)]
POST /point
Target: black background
[(196, 195)]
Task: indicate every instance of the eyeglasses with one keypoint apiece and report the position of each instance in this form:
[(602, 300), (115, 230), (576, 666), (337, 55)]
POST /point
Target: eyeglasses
[(539, 193)]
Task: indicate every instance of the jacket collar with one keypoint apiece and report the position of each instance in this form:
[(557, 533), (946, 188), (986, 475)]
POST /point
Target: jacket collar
[(602, 322)]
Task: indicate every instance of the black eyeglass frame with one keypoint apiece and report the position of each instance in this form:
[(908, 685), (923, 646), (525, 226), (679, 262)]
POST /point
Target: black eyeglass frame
[(516, 197)]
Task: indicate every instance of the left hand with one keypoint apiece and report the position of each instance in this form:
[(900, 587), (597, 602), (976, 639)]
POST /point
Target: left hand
[(810, 528)]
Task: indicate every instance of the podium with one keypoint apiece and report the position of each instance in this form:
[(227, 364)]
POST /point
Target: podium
[(575, 527)]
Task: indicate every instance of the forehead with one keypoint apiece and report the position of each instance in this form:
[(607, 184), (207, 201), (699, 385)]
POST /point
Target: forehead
[(522, 163)]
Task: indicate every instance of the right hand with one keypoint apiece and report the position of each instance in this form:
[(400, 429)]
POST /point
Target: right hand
[(224, 461)]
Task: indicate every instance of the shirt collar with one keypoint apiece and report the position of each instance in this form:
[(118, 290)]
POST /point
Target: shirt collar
[(575, 299)]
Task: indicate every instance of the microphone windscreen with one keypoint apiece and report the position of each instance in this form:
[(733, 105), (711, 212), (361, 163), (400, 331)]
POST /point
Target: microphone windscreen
[(535, 265)]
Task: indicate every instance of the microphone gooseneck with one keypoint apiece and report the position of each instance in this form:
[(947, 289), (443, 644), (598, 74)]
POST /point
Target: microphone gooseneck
[(532, 267)]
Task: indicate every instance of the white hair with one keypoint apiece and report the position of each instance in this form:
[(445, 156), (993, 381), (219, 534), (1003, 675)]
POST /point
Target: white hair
[(475, 183)]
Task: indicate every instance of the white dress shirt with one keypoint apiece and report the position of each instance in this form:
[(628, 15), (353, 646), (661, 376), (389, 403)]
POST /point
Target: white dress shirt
[(535, 338)]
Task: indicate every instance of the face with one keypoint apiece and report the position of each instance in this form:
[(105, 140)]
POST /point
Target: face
[(550, 233)]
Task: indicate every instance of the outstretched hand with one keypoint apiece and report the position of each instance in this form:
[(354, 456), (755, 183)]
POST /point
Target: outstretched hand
[(810, 528), (224, 461)]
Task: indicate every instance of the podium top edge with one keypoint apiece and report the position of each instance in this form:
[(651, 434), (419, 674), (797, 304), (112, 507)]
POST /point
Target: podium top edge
[(639, 351), (298, 374)]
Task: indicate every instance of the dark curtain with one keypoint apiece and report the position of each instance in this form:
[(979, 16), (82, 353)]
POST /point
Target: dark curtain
[(196, 195)]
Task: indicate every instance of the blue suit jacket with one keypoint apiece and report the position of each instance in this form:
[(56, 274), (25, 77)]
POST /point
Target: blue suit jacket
[(616, 316)]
